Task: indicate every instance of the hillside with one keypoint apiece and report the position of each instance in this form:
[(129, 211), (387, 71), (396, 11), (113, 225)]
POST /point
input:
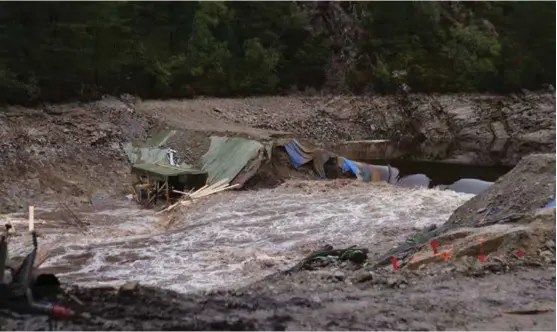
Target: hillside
[(83, 50)]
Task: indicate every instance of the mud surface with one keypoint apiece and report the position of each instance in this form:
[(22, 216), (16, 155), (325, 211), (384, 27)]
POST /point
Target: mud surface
[(65, 152), (324, 300)]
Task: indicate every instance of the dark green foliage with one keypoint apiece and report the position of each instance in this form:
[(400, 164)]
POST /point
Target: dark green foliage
[(56, 51)]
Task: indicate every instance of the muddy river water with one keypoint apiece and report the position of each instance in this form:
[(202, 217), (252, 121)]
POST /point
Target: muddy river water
[(232, 238)]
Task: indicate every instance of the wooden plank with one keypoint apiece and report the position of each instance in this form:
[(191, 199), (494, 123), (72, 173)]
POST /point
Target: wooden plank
[(31, 218)]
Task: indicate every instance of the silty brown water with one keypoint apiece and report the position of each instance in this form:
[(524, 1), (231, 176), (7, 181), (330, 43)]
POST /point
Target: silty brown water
[(234, 238)]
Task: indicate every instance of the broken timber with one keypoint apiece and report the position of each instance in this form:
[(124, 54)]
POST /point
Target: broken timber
[(206, 190)]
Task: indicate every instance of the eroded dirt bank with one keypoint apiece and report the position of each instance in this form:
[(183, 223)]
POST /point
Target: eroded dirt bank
[(71, 150)]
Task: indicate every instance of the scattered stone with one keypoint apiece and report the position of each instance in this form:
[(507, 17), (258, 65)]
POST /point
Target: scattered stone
[(338, 275), (362, 277), (499, 130), (355, 256), (396, 281), (128, 288)]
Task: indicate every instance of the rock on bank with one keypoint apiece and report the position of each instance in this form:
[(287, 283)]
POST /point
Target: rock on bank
[(528, 186)]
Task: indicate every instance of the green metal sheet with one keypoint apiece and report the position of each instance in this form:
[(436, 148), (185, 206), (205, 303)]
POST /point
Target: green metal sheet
[(164, 170), (149, 152), (227, 156), (138, 155)]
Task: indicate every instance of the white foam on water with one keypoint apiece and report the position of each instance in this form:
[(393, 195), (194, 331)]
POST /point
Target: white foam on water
[(234, 238)]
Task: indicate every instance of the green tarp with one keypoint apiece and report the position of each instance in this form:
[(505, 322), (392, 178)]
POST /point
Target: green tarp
[(145, 155), (165, 170), (227, 156), (149, 152)]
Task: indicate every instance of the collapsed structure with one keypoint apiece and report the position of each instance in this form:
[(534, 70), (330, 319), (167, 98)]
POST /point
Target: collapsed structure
[(241, 159), (242, 162), (238, 162), (157, 171)]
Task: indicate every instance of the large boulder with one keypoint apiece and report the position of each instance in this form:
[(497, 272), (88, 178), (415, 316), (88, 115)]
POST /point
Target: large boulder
[(528, 186)]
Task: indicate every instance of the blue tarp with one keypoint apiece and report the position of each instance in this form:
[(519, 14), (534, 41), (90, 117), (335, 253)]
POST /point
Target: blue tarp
[(550, 204), (349, 165), (299, 155), (365, 173), (296, 155), (362, 173)]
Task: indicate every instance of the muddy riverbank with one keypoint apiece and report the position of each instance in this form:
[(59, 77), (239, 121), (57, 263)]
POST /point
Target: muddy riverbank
[(69, 151), (326, 300)]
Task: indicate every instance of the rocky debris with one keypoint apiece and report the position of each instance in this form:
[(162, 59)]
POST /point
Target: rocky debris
[(328, 256), (476, 129), (528, 186), (340, 118), (129, 288)]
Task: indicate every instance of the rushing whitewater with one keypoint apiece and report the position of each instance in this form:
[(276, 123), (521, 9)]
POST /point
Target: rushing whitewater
[(237, 237)]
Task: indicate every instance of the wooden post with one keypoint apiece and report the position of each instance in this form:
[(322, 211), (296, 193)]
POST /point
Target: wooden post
[(157, 186), (156, 194), (167, 191), (31, 218)]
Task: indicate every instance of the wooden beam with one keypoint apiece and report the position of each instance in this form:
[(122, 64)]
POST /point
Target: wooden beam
[(167, 191), (31, 218)]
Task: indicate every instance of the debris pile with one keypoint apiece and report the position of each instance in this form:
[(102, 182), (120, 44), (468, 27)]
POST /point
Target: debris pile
[(237, 162), (188, 198)]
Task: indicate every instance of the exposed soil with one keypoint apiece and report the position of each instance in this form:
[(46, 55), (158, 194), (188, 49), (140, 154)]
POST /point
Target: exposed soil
[(65, 152), (530, 185), (69, 151), (462, 128), (326, 300)]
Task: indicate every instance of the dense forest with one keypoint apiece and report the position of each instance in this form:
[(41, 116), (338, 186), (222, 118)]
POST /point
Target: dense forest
[(55, 51)]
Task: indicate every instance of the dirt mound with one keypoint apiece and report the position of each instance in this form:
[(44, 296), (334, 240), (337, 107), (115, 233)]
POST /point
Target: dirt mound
[(65, 151), (528, 186)]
